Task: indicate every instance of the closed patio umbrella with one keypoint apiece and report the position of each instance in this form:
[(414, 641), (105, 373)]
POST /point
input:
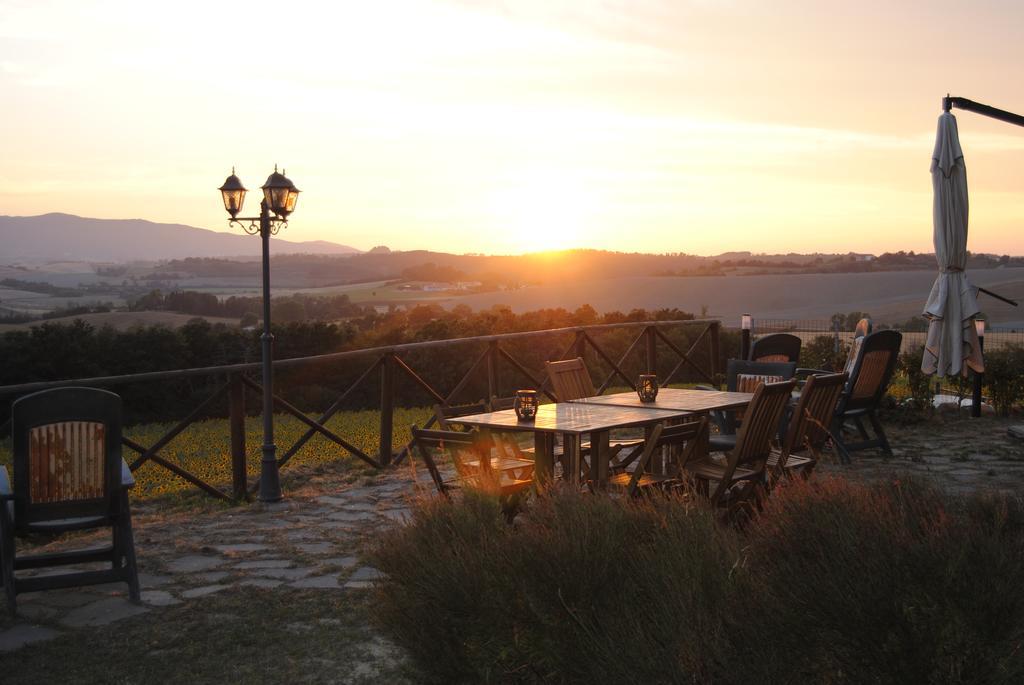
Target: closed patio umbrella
[(952, 345)]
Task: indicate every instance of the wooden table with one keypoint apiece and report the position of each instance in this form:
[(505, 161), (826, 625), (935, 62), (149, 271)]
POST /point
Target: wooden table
[(675, 399), (572, 419)]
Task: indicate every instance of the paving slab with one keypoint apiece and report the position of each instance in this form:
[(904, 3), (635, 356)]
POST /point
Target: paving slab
[(352, 516), (365, 573), (64, 599), (21, 634), (194, 563), (325, 582), (265, 583), (212, 576), (344, 562), (265, 563), (315, 547), (159, 598), (240, 548), (203, 591), (101, 613), (286, 573)]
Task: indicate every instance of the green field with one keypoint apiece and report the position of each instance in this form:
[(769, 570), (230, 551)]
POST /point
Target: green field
[(204, 448)]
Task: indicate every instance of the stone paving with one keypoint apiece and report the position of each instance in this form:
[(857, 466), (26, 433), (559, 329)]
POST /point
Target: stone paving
[(313, 539)]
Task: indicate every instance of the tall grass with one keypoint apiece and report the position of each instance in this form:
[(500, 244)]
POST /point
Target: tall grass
[(835, 582)]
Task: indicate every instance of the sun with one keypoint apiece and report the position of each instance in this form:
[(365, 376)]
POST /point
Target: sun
[(541, 214)]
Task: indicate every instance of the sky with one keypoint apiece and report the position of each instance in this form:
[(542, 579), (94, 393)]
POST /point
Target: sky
[(696, 126)]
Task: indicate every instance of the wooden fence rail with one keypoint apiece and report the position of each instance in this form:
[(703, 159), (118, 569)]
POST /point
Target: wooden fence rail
[(392, 368)]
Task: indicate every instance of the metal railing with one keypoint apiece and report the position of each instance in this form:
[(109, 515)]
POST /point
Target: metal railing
[(391, 365)]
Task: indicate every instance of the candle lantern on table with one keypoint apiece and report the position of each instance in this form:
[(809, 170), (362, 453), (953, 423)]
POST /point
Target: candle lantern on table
[(647, 387), (526, 405)]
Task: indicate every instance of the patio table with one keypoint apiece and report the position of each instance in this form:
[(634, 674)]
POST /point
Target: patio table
[(675, 399), (572, 420)]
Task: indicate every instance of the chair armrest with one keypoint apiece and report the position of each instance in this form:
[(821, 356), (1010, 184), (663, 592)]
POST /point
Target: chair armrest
[(810, 372), (705, 387), (127, 479)]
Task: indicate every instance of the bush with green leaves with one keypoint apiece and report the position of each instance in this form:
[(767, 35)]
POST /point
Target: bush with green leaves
[(836, 582), (822, 352), (1004, 375), (920, 386)]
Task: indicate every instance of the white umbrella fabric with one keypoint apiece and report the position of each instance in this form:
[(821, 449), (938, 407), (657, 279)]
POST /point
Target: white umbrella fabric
[(952, 345)]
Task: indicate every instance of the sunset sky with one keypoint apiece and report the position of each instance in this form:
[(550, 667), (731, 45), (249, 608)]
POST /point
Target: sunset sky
[(507, 127)]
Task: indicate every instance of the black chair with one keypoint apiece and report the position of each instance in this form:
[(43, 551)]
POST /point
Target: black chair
[(68, 475), (871, 372), (744, 376), (777, 347)]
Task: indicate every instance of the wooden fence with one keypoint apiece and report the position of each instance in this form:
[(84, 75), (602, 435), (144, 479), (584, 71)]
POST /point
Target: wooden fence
[(492, 358)]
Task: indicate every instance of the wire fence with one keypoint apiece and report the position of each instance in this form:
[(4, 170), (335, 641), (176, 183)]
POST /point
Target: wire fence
[(996, 337)]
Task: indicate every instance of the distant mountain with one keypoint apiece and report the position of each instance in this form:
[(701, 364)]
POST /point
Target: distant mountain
[(52, 237)]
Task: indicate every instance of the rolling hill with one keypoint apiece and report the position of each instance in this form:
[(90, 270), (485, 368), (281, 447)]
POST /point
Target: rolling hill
[(54, 237)]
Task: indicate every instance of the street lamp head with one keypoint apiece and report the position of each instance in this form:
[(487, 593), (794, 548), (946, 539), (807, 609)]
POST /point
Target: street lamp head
[(280, 194), (233, 193)]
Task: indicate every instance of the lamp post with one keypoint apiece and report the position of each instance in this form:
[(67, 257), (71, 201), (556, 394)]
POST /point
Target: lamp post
[(279, 198), (746, 323)]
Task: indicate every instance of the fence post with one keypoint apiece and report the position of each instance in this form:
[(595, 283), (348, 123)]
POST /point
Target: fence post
[(716, 329), (579, 345), (493, 382), (652, 349), (236, 417), (387, 406)]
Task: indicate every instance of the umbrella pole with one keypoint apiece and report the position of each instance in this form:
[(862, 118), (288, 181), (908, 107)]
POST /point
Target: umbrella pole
[(985, 110)]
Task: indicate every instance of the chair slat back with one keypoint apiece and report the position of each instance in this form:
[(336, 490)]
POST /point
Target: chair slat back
[(67, 454), (777, 347), (458, 446), (570, 379), (812, 416), (872, 370), (754, 440), (65, 461)]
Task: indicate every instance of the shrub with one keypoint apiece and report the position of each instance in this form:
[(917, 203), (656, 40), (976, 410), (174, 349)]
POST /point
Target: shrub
[(835, 582), (1004, 375), (919, 385), (821, 353)]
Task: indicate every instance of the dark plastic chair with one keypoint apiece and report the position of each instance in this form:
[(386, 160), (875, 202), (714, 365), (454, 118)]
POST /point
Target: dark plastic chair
[(68, 475), (777, 347), (744, 376), (872, 370)]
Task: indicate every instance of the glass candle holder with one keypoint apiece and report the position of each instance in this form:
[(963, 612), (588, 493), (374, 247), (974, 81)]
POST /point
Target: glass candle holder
[(526, 405), (647, 387)]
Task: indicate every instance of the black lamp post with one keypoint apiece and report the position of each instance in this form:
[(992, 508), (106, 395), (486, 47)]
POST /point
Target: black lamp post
[(279, 198)]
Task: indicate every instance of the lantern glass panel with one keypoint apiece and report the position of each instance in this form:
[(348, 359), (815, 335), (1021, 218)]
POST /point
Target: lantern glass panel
[(526, 404), (277, 199), (233, 200), (647, 387)]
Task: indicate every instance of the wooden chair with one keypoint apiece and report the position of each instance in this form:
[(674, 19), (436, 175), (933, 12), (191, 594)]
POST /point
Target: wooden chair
[(690, 438), (742, 475), (570, 380), (869, 379), (467, 451), (808, 428), (745, 376), (68, 476), (508, 455), (777, 347)]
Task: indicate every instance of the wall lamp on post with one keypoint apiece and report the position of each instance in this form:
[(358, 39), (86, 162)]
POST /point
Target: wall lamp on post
[(279, 198), (746, 324)]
